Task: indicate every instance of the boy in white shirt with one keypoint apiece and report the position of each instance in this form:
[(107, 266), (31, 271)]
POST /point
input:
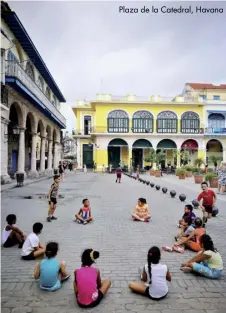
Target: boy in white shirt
[(31, 248)]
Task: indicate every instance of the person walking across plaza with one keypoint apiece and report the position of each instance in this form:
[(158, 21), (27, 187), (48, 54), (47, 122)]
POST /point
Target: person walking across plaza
[(88, 286), (118, 175), (12, 235), (53, 194), (207, 200), (154, 276), (32, 248)]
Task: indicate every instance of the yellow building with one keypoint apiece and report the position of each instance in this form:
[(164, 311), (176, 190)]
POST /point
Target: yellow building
[(111, 130)]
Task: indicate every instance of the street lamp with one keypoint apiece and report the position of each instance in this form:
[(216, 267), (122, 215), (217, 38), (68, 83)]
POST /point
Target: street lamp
[(14, 136)]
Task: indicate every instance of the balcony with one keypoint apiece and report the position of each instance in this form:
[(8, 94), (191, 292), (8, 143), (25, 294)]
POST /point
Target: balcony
[(215, 131), (15, 71)]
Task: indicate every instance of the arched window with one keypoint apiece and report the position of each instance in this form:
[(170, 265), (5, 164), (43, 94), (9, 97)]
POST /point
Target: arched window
[(216, 120), (47, 93), (167, 122), (40, 83), (30, 71), (118, 122), (190, 123), (142, 122), (87, 124)]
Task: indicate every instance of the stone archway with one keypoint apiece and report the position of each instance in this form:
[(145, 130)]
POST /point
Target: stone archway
[(29, 133), (169, 146), (214, 149), (49, 147), (118, 153), (140, 151), (40, 146), (191, 146)]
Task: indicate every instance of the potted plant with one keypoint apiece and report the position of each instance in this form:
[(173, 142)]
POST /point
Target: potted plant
[(189, 169), (151, 157), (214, 159), (160, 156), (212, 178), (181, 172)]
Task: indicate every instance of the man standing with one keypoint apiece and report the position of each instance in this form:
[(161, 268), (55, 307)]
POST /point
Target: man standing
[(207, 199)]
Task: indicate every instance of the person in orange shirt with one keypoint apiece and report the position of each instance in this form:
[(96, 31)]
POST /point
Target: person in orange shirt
[(141, 212)]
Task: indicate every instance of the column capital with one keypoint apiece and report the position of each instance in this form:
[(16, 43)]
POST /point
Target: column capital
[(43, 137), (22, 129), (34, 134)]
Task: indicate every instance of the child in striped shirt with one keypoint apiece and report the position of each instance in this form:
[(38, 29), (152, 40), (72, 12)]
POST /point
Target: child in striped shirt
[(84, 214)]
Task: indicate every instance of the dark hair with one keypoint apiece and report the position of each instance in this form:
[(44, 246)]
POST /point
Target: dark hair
[(51, 249), (84, 200), (187, 220), (189, 207), (143, 200), (204, 183), (198, 221), (11, 219), (37, 227), (154, 255), (87, 258), (207, 243), (56, 176)]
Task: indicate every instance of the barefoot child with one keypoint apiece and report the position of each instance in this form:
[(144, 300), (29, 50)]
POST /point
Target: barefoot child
[(53, 194), (84, 214), (12, 235), (50, 271), (31, 248), (142, 212), (156, 274), (88, 287)]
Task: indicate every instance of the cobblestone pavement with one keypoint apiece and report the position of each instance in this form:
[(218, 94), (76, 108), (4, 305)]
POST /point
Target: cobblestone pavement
[(122, 244)]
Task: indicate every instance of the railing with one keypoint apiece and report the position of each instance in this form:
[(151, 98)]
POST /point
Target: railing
[(211, 130), (15, 70)]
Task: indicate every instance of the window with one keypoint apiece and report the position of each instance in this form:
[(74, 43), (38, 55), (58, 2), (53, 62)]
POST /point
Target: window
[(167, 122), (190, 123), (12, 57), (203, 97), (87, 124), (142, 122), (216, 120), (216, 97), (29, 70), (118, 122)]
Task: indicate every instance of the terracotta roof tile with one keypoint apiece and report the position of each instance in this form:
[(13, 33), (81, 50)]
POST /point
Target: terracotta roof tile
[(206, 86)]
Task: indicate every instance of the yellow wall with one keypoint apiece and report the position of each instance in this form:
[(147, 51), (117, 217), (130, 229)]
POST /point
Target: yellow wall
[(124, 155), (210, 93)]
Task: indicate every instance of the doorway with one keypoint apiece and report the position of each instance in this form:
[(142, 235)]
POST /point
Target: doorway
[(87, 155), (137, 156), (114, 156)]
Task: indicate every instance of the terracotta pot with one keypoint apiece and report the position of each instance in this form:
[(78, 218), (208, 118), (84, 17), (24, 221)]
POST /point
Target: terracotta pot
[(157, 173), (152, 172), (181, 176), (198, 179), (214, 182), (189, 174)]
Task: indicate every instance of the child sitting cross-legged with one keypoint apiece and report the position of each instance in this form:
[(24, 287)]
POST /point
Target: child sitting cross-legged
[(186, 228), (12, 235), (84, 214), (155, 274), (32, 248), (142, 212), (51, 271)]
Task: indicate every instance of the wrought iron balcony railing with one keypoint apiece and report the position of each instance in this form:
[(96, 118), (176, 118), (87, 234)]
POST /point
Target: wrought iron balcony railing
[(215, 130), (15, 70)]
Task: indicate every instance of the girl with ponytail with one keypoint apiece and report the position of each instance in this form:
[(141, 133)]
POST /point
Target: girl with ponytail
[(154, 277), (208, 262), (88, 287), (51, 271)]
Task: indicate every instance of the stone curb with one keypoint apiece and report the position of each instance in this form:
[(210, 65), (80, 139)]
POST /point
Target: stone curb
[(14, 185)]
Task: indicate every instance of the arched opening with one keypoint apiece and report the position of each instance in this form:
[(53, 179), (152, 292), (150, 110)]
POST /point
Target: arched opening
[(48, 145), (118, 153), (190, 123), (140, 151), (167, 122), (216, 123), (169, 146), (118, 122), (15, 117), (30, 123), (214, 151), (40, 134), (190, 149), (142, 122)]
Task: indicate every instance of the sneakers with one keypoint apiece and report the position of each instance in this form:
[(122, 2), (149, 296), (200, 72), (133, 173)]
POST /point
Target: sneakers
[(49, 219), (64, 278), (53, 218), (178, 249), (168, 249)]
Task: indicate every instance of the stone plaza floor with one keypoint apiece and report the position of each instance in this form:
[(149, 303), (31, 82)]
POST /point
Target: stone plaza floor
[(123, 245)]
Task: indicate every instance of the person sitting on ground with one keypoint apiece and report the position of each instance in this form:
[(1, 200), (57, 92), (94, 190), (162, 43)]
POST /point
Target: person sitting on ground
[(186, 228), (84, 215), (155, 274), (142, 212), (88, 287), (32, 248), (207, 262), (12, 235), (191, 242), (50, 271), (188, 211)]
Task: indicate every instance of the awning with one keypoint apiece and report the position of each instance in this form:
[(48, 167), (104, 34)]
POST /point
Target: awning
[(118, 143), (142, 144), (190, 145), (166, 144)]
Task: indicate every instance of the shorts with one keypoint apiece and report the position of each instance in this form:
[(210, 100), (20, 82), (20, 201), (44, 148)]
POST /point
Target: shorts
[(28, 257), (119, 175), (194, 246), (94, 303), (10, 242), (147, 294), (53, 288), (53, 200), (208, 208)]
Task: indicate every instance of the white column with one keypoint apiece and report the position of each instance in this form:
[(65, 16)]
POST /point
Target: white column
[(224, 155), (50, 155), (33, 152), (21, 152), (55, 163), (178, 159), (4, 151), (43, 148)]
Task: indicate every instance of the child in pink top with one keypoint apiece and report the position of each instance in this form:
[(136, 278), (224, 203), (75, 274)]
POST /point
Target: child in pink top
[(88, 287)]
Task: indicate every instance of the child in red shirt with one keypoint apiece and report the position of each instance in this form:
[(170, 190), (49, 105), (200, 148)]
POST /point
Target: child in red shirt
[(207, 199)]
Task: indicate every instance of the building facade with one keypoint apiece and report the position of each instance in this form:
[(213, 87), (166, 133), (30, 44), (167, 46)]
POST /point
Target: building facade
[(31, 121)]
